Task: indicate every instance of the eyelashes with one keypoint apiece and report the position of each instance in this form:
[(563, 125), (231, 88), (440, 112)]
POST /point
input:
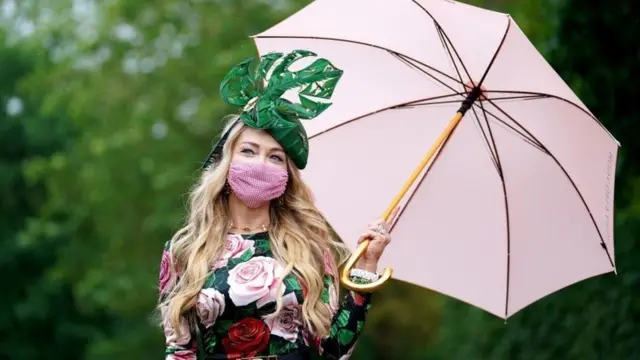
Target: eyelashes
[(249, 151)]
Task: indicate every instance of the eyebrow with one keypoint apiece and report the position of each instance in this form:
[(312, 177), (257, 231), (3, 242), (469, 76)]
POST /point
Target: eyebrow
[(276, 148)]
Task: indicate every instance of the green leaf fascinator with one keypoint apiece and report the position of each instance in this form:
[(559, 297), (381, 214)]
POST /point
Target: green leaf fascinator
[(258, 87)]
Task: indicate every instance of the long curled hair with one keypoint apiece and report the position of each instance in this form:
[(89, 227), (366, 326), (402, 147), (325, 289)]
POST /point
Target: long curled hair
[(300, 238)]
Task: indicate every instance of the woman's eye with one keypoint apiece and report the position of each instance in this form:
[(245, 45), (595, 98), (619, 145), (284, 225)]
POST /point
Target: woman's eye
[(247, 151), (276, 158)]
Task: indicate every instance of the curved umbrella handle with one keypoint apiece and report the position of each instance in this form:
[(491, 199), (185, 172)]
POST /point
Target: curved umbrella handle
[(367, 288)]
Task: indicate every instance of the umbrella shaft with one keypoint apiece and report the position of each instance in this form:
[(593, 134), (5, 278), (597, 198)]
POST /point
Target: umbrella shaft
[(425, 161)]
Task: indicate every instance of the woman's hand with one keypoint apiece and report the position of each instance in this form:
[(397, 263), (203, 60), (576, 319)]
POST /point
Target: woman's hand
[(378, 235)]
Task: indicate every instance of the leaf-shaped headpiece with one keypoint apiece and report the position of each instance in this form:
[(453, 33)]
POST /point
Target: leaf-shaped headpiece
[(258, 87)]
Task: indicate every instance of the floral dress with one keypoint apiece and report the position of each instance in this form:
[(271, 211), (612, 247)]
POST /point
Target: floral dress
[(241, 289)]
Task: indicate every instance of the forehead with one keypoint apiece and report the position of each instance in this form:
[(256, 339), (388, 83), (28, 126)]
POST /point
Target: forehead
[(259, 137)]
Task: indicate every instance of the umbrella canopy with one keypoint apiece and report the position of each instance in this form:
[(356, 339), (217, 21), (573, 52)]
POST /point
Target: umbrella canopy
[(517, 203)]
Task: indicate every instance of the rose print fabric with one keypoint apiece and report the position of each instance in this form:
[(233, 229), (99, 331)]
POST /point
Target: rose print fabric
[(241, 291)]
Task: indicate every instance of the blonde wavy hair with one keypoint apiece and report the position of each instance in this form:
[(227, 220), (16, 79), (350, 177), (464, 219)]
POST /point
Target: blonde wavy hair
[(299, 234)]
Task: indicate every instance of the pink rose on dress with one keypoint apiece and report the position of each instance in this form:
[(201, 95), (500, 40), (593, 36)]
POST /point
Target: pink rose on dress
[(330, 269), (210, 306), (317, 342), (182, 355), (305, 336), (234, 246), (172, 338), (329, 264), (255, 280), (288, 320), (166, 275), (333, 299)]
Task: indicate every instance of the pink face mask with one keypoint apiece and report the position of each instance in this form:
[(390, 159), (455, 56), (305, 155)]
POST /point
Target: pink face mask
[(257, 184)]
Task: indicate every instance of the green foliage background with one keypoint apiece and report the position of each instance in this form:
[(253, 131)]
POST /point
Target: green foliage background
[(108, 107)]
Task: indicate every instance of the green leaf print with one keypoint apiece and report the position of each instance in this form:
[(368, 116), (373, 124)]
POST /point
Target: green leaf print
[(345, 336), (246, 255), (359, 326), (220, 279), (211, 280), (223, 327), (325, 296), (262, 246), (343, 318), (291, 283), (274, 347), (280, 346), (246, 311), (334, 330), (210, 341)]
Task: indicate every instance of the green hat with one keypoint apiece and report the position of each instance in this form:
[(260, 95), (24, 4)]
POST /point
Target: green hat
[(258, 89)]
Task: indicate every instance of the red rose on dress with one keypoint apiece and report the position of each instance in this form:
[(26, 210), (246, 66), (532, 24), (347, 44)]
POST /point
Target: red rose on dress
[(303, 286), (358, 299), (165, 272), (246, 338)]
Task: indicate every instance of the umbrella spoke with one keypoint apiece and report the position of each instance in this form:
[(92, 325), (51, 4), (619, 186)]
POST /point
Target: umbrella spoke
[(416, 65), (408, 104), (447, 44), (495, 54), (483, 122), (354, 42), (520, 131), (518, 97), (498, 163), (564, 171), (436, 100), (532, 95)]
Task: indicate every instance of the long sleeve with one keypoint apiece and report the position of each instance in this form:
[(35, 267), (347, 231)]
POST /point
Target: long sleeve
[(347, 323), (184, 346), (179, 348)]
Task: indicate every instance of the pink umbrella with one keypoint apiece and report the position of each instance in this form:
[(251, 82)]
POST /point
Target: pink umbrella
[(513, 199)]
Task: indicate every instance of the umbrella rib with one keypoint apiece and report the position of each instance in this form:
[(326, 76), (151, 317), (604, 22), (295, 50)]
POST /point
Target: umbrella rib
[(492, 148), (392, 107), (495, 55), (353, 42), (442, 33), (427, 101), (532, 97), (445, 45), (408, 63), (506, 209), (543, 95), (575, 187), (524, 137)]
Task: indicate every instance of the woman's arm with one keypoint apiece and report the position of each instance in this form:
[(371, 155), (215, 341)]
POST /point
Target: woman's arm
[(181, 347), (347, 324), (348, 317)]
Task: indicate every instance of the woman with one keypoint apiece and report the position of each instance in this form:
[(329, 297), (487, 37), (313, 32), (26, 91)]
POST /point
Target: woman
[(252, 274)]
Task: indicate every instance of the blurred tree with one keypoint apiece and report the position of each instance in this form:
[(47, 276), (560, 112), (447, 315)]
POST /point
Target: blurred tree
[(39, 312), (597, 52)]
